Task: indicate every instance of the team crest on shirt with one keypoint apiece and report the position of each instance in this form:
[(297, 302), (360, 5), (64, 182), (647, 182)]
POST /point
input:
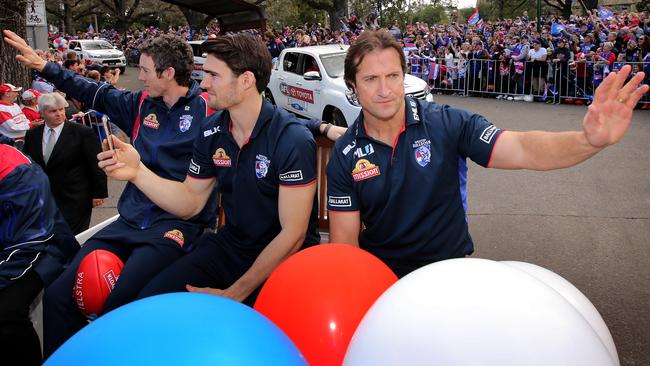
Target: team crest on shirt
[(151, 121), (185, 123), (364, 169), (422, 151), (175, 235), (262, 164), (220, 158)]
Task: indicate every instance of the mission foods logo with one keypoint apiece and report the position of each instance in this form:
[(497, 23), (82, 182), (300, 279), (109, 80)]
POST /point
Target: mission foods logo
[(364, 169), (297, 93), (175, 235), (220, 158), (151, 121)]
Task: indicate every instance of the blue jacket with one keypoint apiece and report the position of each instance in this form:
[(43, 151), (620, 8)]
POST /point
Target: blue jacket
[(33, 233), (163, 136)]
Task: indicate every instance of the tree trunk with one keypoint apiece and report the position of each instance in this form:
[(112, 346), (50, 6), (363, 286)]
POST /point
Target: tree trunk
[(12, 17), (68, 20)]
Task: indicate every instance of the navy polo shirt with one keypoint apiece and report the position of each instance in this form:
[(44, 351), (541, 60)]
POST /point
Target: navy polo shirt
[(409, 194), (279, 151)]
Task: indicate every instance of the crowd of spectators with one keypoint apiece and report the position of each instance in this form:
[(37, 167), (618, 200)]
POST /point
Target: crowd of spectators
[(506, 58)]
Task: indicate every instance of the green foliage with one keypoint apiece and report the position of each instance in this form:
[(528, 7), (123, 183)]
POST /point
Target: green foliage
[(643, 5), (292, 12), (430, 14)]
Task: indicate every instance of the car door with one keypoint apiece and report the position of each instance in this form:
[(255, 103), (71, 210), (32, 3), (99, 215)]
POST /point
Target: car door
[(292, 95), (309, 96)]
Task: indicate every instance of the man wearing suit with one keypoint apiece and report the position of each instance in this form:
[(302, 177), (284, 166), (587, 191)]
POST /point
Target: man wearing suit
[(67, 152)]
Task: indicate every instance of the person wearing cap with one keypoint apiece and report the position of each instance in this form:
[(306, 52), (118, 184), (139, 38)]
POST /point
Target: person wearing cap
[(561, 56), (13, 122), (30, 107), (537, 58)]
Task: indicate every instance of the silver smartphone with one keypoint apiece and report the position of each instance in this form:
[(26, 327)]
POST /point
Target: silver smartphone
[(107, 130)]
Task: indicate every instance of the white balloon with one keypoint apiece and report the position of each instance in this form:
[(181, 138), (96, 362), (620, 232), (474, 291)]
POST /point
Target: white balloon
[(474, 312), (575, 298)]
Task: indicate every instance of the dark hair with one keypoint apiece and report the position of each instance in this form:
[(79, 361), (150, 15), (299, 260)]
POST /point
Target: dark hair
[(170, 51), (367, 42), (68, 63), (243, 52)]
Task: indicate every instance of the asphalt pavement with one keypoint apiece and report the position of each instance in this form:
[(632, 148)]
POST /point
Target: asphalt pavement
[(590, 224)]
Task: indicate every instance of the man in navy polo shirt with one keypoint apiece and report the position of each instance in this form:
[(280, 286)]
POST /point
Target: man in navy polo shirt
[(262, 160), (396, 169), (163, 121)]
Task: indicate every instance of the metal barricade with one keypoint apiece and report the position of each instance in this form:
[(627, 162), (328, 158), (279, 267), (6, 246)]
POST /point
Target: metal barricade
[(545, 81)]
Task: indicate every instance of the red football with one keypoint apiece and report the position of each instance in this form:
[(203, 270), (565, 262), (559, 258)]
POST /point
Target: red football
[(96, 277)]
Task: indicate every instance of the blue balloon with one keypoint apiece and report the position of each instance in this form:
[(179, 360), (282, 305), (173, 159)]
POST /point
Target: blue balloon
[(180, 329)]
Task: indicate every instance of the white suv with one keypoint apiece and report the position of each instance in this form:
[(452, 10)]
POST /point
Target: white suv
[(199, 60), (99, 51), (309, 81)]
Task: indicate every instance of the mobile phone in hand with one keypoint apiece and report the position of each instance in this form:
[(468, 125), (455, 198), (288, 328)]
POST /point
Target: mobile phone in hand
[(107, 130)]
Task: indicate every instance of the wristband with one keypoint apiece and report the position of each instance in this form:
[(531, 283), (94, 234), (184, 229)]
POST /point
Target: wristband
[(327, 128)]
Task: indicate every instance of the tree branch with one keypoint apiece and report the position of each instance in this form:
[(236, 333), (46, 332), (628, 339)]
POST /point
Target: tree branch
[(553, 5)]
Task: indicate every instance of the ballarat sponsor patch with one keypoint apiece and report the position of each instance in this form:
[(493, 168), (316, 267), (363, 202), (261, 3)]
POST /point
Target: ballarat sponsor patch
[(364, 169), (194, 167), (339, 201), (292, 176), (175, 235), (220, 158), (488, 134)]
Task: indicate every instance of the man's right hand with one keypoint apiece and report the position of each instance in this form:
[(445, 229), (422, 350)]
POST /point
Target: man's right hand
[(122, 163), (26, 55)]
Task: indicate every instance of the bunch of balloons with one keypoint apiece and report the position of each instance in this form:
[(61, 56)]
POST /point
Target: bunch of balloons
[(60, 44), (336, 304)]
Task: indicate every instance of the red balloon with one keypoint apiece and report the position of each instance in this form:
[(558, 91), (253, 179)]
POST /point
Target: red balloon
[(319, 295)]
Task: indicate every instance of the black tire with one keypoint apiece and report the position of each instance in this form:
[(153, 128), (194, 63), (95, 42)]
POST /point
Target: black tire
[(268, 96), (338, 119)]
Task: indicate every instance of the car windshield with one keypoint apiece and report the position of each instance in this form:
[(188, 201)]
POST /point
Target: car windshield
[(333, 64), (97, 45)]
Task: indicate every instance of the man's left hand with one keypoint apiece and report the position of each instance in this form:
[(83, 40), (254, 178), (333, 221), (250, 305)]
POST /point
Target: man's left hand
[(610, 114), (215, 291), (97, 202)]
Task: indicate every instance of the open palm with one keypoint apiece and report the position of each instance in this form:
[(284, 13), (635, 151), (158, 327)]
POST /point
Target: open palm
[(610, 114)]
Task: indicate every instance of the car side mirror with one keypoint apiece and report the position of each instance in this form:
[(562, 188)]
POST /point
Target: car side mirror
[(312, 75)]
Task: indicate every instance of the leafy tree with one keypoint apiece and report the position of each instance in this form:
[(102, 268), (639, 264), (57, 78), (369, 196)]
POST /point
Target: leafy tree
[(431, 14)]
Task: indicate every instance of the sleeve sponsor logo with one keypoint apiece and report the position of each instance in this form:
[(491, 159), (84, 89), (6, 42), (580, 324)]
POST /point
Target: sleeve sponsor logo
[(221, 159), (194, 167), (364, 169), (488, 133), (292, 176), (175, 235), (297, 93), (340, 201), (151, 121)]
